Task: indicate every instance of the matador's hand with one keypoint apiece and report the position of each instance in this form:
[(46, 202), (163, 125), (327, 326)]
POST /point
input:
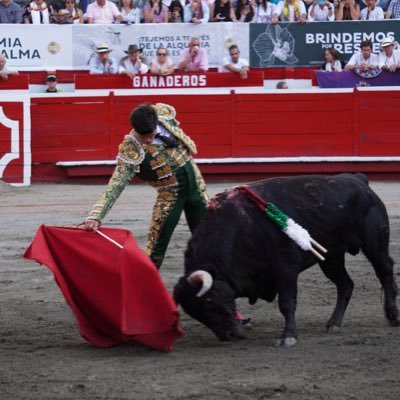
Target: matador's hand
[(90, 225)]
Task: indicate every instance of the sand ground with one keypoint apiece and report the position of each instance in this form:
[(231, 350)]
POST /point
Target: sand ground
[(42, 355)]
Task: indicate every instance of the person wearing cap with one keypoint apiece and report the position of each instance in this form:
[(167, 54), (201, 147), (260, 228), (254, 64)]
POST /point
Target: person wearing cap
[(5, 71), (321, 11), (160, 154), (51, 81), (389, 57), (132, 64), (103, 12), (364, 59), (102, 63), (372, 12)]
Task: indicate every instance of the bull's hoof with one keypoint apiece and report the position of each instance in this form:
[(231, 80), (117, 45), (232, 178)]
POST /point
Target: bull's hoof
[(333, 329), (394, 322), (287, 342)]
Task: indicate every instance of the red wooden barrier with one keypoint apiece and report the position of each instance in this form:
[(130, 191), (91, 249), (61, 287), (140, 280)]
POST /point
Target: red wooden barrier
[(20, 81), (324, 124)]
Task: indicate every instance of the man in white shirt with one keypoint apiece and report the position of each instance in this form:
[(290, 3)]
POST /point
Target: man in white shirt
[(102, 63), (321, 11), (371, 12), (234, 63), (389, 57), (103, 12), (4, 70), (132, 64), (364, 59)]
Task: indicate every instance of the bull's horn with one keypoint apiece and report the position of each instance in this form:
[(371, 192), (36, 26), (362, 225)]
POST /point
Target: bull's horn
[(203, 277)]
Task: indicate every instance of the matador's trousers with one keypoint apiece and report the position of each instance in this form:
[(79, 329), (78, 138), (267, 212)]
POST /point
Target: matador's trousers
[(168, 209)]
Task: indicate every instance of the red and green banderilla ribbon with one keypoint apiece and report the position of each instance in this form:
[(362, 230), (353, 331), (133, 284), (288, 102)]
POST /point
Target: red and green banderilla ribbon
[(296, 232)]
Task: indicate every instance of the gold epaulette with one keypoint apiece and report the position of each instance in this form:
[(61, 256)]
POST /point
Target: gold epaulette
[(131, 151), (165, 112), (166, 116)]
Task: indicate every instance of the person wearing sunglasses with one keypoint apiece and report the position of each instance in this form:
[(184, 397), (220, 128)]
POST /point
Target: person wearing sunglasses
[(162, 64)]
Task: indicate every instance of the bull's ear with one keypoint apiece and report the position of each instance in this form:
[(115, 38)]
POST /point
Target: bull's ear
[(179, 290)]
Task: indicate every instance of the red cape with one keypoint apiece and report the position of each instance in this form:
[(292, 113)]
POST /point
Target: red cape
[(116, 295)]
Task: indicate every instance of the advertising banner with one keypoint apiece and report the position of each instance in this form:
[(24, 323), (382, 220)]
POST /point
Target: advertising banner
[(214, 38), (351, 79), (36, 46), (296, 45)]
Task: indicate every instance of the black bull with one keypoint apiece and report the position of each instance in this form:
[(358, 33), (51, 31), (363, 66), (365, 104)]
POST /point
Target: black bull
[(237, 251)]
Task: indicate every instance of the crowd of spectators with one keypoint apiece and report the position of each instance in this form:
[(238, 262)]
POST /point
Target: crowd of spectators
[(365, 60), (193, 11)]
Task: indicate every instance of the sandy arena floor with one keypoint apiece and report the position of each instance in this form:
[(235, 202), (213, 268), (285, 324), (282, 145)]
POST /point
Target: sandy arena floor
[(42, 355)]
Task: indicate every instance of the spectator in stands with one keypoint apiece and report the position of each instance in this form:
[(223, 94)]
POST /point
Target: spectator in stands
[(133, 63), (103, 12), (263, 10), (59, 14), (175, 14), (245, 11), (129, 11), (196, 12), (290, 11), (10, 12), (193, 58), (364, 59), (5, 71), (321, 11), (372, 12), (72, 7), (332, 60), (51, 81), (155, 12), (282, 85), (37, 12), (389, 57), (102, 63), (347, 10), (393, 11), (234, 63), (222, 11), (162, 64)]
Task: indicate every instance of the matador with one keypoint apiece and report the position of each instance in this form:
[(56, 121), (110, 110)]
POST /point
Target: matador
[(161, 154)]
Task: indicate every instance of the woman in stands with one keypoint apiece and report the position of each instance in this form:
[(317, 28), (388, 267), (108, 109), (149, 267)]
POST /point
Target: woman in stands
[(130, 13), (263, 10), (155, 12), (196, 12), (76, 13), (347, 10), (175, 14), (245, 11), (162, 65), (222, 11), (332, 60)]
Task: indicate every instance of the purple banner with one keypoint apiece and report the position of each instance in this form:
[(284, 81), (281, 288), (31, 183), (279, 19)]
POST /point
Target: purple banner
[(351, 79)]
